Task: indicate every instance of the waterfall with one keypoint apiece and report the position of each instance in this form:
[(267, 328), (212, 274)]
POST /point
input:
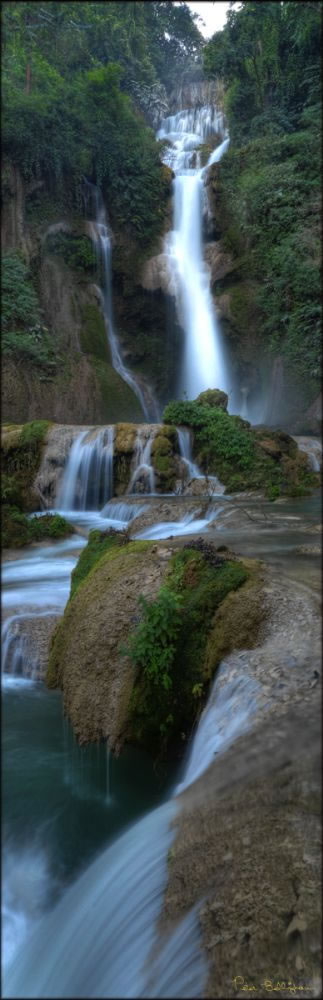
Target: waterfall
[(100, 233), (88, 476), (203, 363), (185, 450), (143, 472), (312, 448), (193, 471)]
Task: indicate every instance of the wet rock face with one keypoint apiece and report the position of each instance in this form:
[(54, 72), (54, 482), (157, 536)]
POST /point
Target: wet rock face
[(249, 836), (247, 847)]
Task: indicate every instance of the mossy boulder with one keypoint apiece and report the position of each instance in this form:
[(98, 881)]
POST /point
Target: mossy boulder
[(242, 457), (131, 651), (213, 397), (163, 459), (19, 530)]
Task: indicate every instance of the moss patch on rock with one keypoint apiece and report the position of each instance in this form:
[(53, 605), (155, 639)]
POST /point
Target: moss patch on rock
[(237, 622), (21, 449), (163, 459), (93, 336), (117, 399), (19, 530), (171, 684), (99, 543)]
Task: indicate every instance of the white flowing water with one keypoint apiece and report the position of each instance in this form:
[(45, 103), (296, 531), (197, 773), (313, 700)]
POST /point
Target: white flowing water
[(88, 475), (185, 450), (203, 365), (193, 471), (227, 714), (190, 525), (143, 476), (100, 233), (313, 449)]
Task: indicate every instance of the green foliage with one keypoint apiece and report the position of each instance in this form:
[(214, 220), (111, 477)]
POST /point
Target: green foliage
[(65, 72), (169, 644), (98, 543), (25, 338), (20, 305), (269, 58), (77, 251), (152, 648), (228, 447)]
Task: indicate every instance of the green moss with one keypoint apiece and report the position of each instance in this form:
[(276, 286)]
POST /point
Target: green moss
[(237, 622), (93, 336), (21, 456), (199, 581), (118, 401), (119, 558), (163, 459), (98, 544)]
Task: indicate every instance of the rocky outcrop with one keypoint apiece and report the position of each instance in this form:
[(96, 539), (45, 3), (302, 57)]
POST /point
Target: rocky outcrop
[(247, 850), (152, 101), (98, 683)]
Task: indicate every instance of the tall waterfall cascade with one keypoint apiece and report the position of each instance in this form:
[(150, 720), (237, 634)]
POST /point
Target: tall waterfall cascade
[(101, 235), (88, 476), (204, 364)]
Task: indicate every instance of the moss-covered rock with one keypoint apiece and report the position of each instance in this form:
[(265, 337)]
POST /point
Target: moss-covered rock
[(117, 399), (239, 455), (85, 658), (19, 530), (93, 336), (163, 452), (147, 689), (213, 397)]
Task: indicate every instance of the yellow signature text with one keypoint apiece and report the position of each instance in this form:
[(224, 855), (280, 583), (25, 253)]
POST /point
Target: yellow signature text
[(269, 985)]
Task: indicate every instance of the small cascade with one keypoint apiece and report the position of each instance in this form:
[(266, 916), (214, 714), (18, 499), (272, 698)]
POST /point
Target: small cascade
[(13, 648), (313, 449), (185, 450), (193, 472), (203, 363), (143, 475), (123, 512), (100, 234), (88, 476), (227, 714)]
